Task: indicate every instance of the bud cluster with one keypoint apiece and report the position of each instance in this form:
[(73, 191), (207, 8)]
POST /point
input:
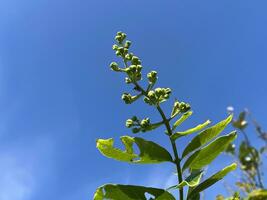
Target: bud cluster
[(180, 107), (157, 96), (127, 98), (152, 77), (138, 125)]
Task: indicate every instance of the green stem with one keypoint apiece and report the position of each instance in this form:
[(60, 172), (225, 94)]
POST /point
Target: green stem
[(260, 184), (177, 160), (169, 130)]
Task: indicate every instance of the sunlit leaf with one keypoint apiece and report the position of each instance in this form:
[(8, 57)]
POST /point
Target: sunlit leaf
[(190, 131), (206, 136), (150, 152), (260, 194), (192, 180), (213, 179), (131, 192), (181, 119), (206, 155)]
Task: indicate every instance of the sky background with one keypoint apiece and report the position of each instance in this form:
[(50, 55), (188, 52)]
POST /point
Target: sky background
[(58, 95)]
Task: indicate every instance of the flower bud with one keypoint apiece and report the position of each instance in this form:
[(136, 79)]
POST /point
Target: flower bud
[(128, 57), (127, 44), (151, 94), (135, 60), (184, 107), (136, 130), (114, 66), (127, 80), (119, 32), (152, 77), (118, 38), (127, 98), (115, 47), (145, 123), (118, 53), (129, 123), (123, 36), (134, 118), (147, 100)]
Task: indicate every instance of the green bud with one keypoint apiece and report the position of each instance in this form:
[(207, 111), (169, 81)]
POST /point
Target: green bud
[(134, 118), (121, 49), (145, 123), (119, 33), (184, 107), (127, 80), (168, 90), (118, 53), (159, 91), (127, 98), (175, 108), (115, 47), (135, 60), (136, 130), (118, 38), (151, 94), (152, 77), (128, 57), (147, 100), (129, 123), (123, 36), (127, 44), (114, 66)]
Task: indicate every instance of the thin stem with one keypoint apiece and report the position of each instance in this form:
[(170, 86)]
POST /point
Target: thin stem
[(168, 127), (260, 184), (177, 160)]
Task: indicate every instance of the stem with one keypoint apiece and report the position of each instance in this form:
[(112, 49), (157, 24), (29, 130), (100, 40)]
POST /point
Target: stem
[(177, 159), (168, 127), (260, 184), (166, 122)]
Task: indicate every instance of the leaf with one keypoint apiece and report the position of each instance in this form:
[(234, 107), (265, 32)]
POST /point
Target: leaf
[(206, 136), (150, 152), (181, 119), (192, 180), (190, 131), (206, 155), (260, 194), (130, 192), (213, 179)]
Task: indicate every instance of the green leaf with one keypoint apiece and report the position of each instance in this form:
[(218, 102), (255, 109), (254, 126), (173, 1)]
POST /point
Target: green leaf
[(213, 179), (192, 180), (181, 119), (260, 194), (150, 152), (206, 136), (190, 131), (206, 155), (130, 192)]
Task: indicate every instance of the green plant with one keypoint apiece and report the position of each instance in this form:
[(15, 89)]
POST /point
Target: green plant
[(249, 158), (199, 153)]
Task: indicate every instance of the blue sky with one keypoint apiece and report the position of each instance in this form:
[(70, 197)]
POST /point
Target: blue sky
[(57, 94)]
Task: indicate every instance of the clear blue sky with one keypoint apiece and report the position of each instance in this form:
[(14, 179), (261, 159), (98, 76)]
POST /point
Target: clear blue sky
[(57, 94)]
